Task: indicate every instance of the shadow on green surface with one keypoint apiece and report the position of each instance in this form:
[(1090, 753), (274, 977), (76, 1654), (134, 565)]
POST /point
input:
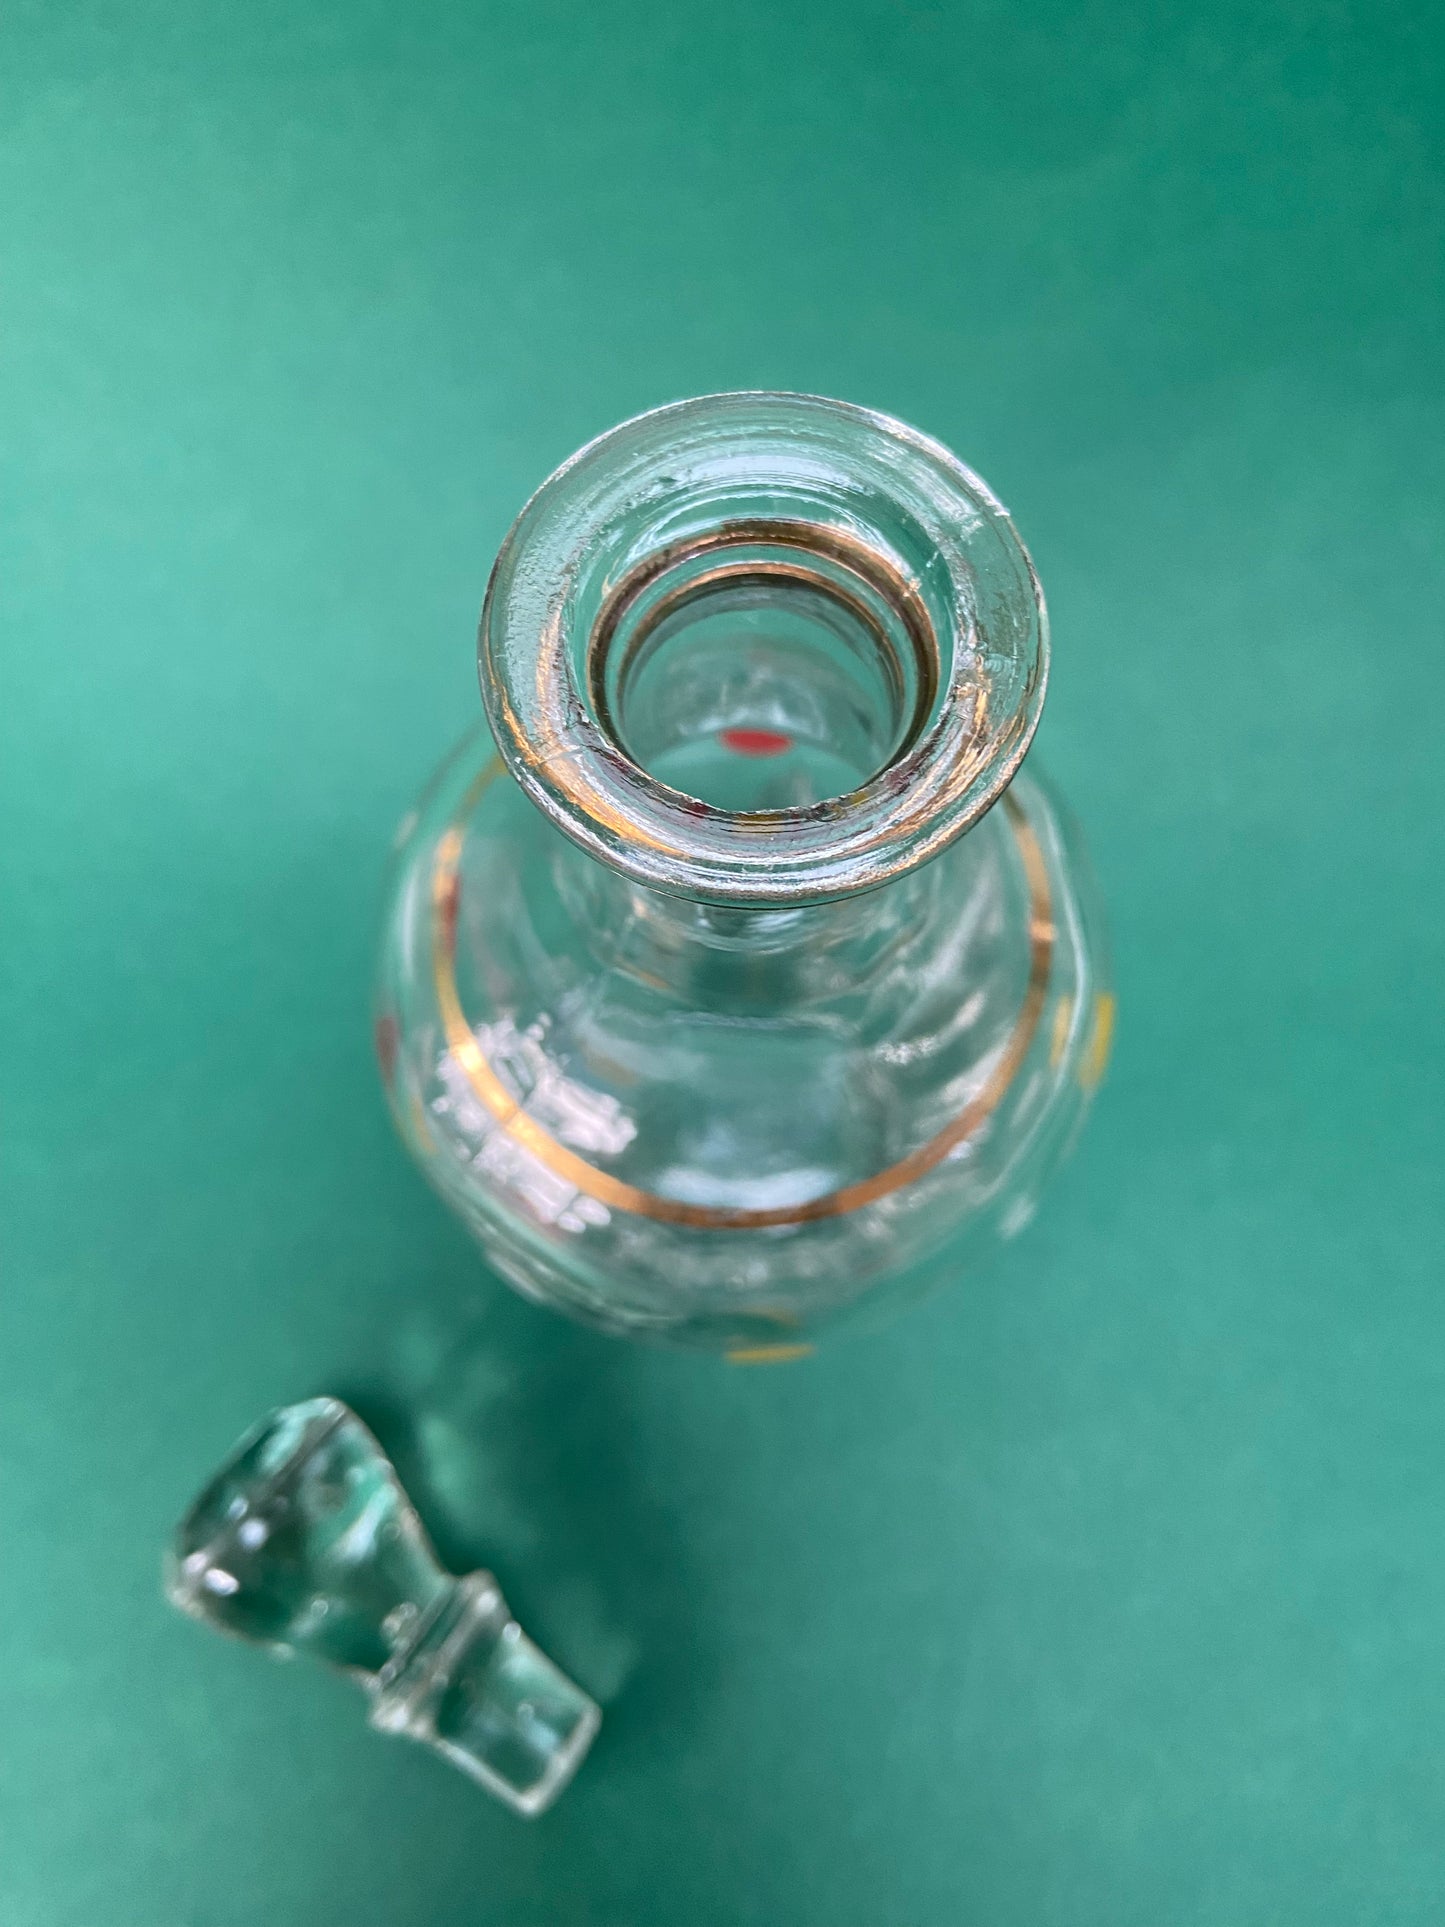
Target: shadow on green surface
[(511, 1431)]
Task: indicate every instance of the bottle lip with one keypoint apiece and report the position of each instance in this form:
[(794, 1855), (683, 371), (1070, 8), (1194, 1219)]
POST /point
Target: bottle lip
[(882, 501)]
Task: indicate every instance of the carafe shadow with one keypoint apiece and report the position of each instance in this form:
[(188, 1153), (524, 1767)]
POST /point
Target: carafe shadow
[(512, 1431)]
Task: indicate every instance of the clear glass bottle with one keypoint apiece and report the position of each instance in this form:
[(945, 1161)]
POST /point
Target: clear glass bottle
[(717, 996)]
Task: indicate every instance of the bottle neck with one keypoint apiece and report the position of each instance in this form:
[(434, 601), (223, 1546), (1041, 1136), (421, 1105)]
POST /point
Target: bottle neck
[(735, 958)]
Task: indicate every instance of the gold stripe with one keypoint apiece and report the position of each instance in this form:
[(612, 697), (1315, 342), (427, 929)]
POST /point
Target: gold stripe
[(855, 558), (621, 1196)]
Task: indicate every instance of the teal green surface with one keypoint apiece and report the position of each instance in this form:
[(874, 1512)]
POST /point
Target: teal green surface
[(1109, 1586)]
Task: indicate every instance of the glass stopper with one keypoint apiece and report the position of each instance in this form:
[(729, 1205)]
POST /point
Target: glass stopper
[(305, 1542)]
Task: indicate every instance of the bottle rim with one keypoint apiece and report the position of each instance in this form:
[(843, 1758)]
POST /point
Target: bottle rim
[(869, 510)]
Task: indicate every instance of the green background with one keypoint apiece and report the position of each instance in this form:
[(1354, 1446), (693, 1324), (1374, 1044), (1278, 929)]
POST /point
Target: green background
[(1109, 1586)]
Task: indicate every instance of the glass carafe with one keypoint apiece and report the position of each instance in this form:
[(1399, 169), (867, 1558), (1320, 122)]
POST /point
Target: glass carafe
[(735, 977)]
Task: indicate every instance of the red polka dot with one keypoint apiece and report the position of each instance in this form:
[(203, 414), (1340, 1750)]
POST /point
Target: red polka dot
[(755, 742)]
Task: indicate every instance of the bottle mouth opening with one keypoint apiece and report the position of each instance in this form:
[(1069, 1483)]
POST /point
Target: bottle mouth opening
[(763, 648), (764, 666)]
